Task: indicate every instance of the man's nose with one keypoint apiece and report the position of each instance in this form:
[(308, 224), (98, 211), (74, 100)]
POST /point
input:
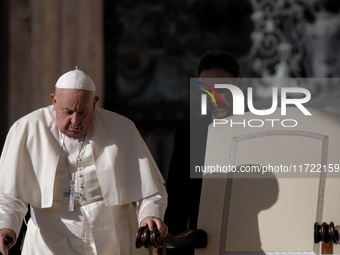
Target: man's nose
[(75, 118)]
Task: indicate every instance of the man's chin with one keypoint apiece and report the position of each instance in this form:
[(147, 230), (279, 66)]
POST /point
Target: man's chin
[(220, 113)]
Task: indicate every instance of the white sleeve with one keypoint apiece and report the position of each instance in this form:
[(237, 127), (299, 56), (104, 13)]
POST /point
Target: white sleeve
[(154, 205), (12, 212)]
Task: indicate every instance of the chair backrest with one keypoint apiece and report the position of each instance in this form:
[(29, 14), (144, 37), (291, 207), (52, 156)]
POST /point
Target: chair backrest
[(274, 210)]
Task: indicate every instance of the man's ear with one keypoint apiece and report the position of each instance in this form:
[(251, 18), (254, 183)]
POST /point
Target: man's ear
[(95, 100), (52, 96), (54, 100)]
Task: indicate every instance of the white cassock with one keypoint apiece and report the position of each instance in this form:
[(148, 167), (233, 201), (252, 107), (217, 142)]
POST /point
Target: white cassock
[(111, 168)]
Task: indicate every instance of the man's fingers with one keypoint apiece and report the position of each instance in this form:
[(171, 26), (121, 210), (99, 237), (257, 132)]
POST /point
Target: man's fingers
[(4, 246), (162, 227), (151, 221), (147, 222), (7, 240), (163, 230)]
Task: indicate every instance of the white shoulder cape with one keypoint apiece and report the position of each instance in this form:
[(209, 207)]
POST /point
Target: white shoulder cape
[(124, 165)]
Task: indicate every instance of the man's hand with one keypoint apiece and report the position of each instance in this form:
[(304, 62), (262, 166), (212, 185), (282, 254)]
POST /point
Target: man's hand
[(6, 232), (151, 221)]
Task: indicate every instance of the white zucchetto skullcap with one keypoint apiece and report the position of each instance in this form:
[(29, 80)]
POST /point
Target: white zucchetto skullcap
[(75, 79)]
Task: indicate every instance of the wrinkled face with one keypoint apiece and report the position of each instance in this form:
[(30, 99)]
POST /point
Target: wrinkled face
[(226, 109), (74, 110)]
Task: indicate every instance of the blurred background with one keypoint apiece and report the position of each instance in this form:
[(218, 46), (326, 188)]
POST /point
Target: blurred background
[(141, 53)]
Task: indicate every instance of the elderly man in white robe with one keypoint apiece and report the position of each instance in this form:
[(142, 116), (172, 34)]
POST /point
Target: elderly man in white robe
[(84, 171)]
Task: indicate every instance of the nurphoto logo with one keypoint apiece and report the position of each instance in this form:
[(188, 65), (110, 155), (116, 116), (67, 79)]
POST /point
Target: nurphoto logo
[(290, 96), (239, 103)]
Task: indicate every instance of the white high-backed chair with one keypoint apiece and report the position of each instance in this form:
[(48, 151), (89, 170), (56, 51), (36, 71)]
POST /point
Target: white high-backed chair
[(272, 213)]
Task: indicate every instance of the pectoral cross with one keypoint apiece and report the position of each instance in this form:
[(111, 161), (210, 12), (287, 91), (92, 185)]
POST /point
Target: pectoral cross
[(72, 195)]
